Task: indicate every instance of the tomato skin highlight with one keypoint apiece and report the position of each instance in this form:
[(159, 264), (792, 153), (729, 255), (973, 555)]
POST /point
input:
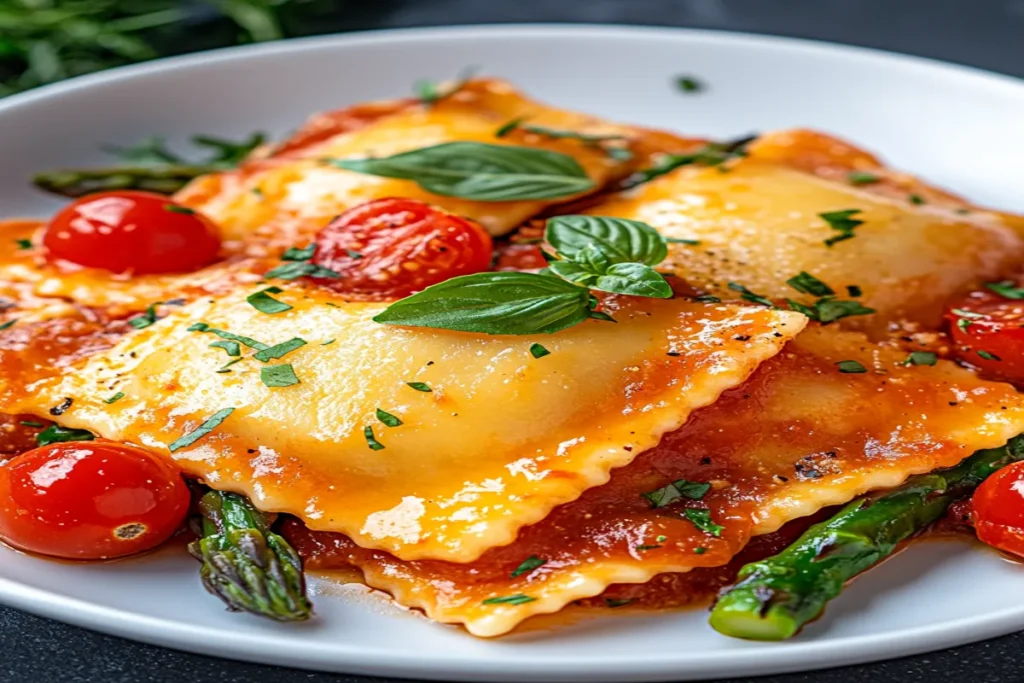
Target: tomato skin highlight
[(90, 500), (132, 231), (998, 510), (987, 333), (391, 248)]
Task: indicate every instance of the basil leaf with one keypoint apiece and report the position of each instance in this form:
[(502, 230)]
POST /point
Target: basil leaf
[(58, 434), (1006, 289), (493, 303), (921, 358), (574, 272), (636, 279), (419, 386), (296, 269), (618, 239), (233, 348), (388, 419), (667, 495), (371, 440), (830, 310), (299, 254), (851, 367), (538, 351), (481, 172), (276, 351), (264, 303)]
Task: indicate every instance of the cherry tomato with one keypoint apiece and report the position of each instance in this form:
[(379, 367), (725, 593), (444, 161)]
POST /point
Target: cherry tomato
[(390, 248), (90, 500), (998, 506), (987, 331), (140, 232)]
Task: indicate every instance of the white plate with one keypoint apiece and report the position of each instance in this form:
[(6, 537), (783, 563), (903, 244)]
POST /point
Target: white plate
[(959, 127)]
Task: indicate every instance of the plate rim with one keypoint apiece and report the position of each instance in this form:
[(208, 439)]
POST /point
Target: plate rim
[(340, 657)]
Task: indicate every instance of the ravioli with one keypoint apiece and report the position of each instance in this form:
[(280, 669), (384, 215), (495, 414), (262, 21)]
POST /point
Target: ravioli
[(758, 223), (490, 439), (285, 198), (798, 436)]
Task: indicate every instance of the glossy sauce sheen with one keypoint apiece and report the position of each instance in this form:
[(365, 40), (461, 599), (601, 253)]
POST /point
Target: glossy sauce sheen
[(758, 224), (500, 439), (797, 437)]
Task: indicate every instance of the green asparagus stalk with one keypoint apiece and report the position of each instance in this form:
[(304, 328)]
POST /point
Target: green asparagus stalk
[(245, 564), (775, 597)]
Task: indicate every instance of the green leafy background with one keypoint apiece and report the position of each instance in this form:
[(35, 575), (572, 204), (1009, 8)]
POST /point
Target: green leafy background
[(44, 41)]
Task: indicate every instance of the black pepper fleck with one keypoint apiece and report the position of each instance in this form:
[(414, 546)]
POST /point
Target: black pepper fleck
[(62, 408)]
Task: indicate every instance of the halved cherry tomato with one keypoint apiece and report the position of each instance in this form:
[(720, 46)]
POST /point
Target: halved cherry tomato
[(140, 232), (390, 248), (90, 500), (998, 506), (987, 332)]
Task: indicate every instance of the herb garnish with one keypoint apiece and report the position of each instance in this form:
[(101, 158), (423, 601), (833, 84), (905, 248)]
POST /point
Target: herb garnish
[(862, 177), (680, 240), (8, 324), (296, 269), (1006, 289), (419, 386), (279, 350), (232, 348), (430, 92), (842, 222), (144, 320), (517, 599), (264, 303), (916, 199), (643, 547), (805, 283), (851, 367), (278, 375), (227, 366), (854, 290), (175, 208), (58, 434), (23, 244), (921, 358), (202, 430), (246, 341), (617, 602), (966, 318), (371, 440), (677, 490), (702, 520), (297, 254), (480, 171), (748, 295), (688, 84), (113, 399), (597, 252), (712, 154), (538, 351), (388, 419), (589, 139), (527, 565), (988, 355), (29, 423)]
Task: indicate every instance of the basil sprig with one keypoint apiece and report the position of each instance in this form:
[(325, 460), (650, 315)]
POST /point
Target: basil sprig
[(481, 172), (593, 252)]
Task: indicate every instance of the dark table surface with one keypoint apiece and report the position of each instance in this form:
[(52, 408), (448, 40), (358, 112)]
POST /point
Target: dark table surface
[(983, 33)]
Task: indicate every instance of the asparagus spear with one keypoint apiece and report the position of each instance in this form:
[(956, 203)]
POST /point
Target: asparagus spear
[(150, 166), (775, 597), (245, 564)]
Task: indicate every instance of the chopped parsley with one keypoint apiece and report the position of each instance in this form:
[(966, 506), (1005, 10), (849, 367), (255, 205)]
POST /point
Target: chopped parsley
[(677, 490), (29, 423), (851, 367), (528, 565), (680, 240), (353, 254), (747, 295), (371, 440), (202, 430), (278, 375), (507, 128), (419, 386), (862, 177), (842, 222), (517, 599), (115, 398), (921, 358), (699, 551), (643, 548), (144, 320), (23, 244), (279, 350), (8, 324), (429, 92), (329, 341), (175, 208), (966, 318), (805, 283), (688, 84), (854, 290), (916, 199), (827, 310), (988, 355), (588, 139), (264, 303), (1006, 289), (296, 269), (702, 520), (227, 366), (58, 434), (538, 351), (232, 348), (388, 419), (246, 341)]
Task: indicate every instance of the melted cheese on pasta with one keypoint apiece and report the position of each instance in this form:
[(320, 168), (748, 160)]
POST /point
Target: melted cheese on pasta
[(499, 439), (798, 436), (759, 224)]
